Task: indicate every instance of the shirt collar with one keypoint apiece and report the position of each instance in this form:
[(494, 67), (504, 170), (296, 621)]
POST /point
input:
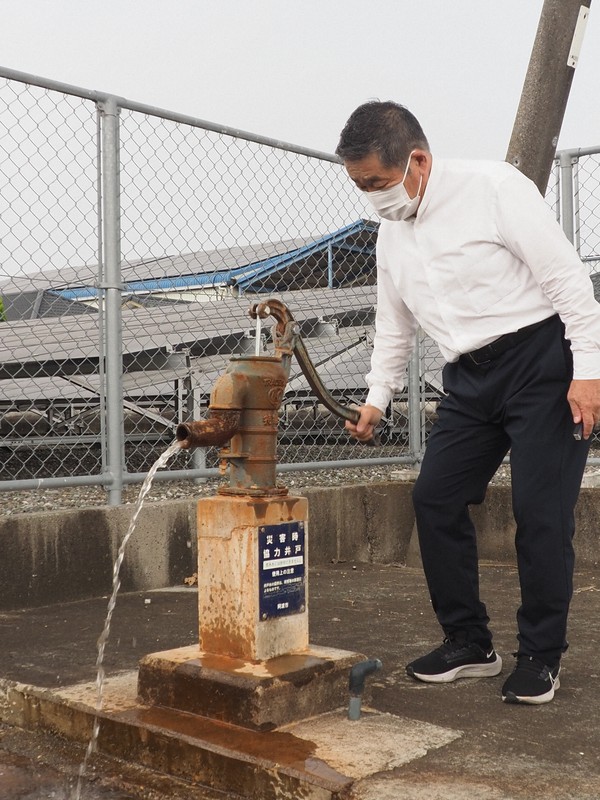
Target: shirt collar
[(432, 182)]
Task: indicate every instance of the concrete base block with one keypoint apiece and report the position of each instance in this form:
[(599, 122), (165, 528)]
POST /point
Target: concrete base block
[(324, 758), (259, 696)]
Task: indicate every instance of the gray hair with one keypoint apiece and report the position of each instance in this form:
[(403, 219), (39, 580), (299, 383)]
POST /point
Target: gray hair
[(385, 128)]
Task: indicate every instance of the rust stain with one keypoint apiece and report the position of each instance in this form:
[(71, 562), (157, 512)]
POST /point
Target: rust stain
[(212, 432), (268, 748)]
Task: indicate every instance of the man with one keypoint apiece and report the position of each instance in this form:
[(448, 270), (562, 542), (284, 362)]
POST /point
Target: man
[(471, 253)]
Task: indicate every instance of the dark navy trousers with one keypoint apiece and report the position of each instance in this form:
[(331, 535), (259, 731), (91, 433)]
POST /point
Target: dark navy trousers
[(516, 403)]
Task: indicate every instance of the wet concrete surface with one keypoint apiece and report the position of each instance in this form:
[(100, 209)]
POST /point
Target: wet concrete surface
[(503, 752), (26, 776), (40, 766)]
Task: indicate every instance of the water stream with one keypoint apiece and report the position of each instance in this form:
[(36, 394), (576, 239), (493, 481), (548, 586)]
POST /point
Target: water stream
[(116, 584), (257, 340)]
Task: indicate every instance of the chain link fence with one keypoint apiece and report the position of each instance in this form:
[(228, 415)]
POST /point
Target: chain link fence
[(132, 244)]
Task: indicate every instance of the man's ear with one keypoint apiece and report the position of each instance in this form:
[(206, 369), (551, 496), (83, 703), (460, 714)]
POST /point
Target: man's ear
[(423, 158)]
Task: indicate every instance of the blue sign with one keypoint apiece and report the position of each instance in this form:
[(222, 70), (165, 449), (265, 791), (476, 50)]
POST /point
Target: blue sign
[(281, 570)]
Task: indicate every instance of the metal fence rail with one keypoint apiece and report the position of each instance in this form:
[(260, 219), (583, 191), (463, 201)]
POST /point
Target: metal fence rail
[(132, 241)]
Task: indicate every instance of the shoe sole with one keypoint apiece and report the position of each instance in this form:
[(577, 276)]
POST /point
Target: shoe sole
[(536, 700), (466, 671)]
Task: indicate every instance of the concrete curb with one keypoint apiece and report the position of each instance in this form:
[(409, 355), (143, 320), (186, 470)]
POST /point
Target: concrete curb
[(61, 556), (269, 765), (322, 757)]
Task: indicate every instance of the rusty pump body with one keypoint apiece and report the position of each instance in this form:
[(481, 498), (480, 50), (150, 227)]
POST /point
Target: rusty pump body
[(244, 407), (253, 666)]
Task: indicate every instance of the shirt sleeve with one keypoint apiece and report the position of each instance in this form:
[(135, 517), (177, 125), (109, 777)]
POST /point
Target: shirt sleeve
[(395, 329), (528, 228)]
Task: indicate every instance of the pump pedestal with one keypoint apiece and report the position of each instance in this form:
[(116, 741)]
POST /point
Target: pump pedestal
[(259, 696), (252, 589), (253, 666)]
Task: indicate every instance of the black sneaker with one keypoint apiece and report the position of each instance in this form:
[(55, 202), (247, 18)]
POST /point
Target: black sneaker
[(454, 660), (531, 682)]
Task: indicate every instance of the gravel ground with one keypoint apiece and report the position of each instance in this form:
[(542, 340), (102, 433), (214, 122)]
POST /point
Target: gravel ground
[(22, 502)]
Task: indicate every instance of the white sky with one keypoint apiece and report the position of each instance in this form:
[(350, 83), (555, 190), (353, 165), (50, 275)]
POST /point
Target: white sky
[(295, 69)]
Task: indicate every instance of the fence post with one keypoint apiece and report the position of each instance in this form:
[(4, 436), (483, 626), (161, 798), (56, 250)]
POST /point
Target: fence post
[(415, 436), (576, 206), (111, 288), (566, 193)]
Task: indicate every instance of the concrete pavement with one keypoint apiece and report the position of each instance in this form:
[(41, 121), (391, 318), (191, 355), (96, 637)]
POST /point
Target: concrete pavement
[(460, 740)]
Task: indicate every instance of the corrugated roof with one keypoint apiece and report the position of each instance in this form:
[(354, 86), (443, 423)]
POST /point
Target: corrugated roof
[(41, 303), (162, 341), (244, 267), (248, 275), (203, 261), (327, 351), (70, 344)]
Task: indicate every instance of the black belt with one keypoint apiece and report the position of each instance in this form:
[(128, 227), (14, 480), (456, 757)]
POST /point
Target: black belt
[(495, 349)]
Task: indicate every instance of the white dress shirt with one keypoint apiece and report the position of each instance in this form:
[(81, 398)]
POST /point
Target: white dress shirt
[(484, 256)]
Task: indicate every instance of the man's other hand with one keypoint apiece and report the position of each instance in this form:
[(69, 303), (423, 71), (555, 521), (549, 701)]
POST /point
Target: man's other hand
[(584, 399)]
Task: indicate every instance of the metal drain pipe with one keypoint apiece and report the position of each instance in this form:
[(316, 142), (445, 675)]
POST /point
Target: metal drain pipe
[(358, 675)]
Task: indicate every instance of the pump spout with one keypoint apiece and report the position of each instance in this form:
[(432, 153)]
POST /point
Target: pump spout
[(227, 401), (215, 431)]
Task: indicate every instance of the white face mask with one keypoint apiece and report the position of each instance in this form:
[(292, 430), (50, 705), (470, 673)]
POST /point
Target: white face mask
[(395, 203)]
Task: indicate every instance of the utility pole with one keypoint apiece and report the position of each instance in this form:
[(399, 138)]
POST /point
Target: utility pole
[(546, 89)]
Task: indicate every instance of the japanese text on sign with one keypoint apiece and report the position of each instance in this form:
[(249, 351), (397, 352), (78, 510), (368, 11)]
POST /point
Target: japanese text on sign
[(281, 569)]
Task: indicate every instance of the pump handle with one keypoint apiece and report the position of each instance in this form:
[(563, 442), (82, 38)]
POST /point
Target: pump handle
[(287, 337)]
